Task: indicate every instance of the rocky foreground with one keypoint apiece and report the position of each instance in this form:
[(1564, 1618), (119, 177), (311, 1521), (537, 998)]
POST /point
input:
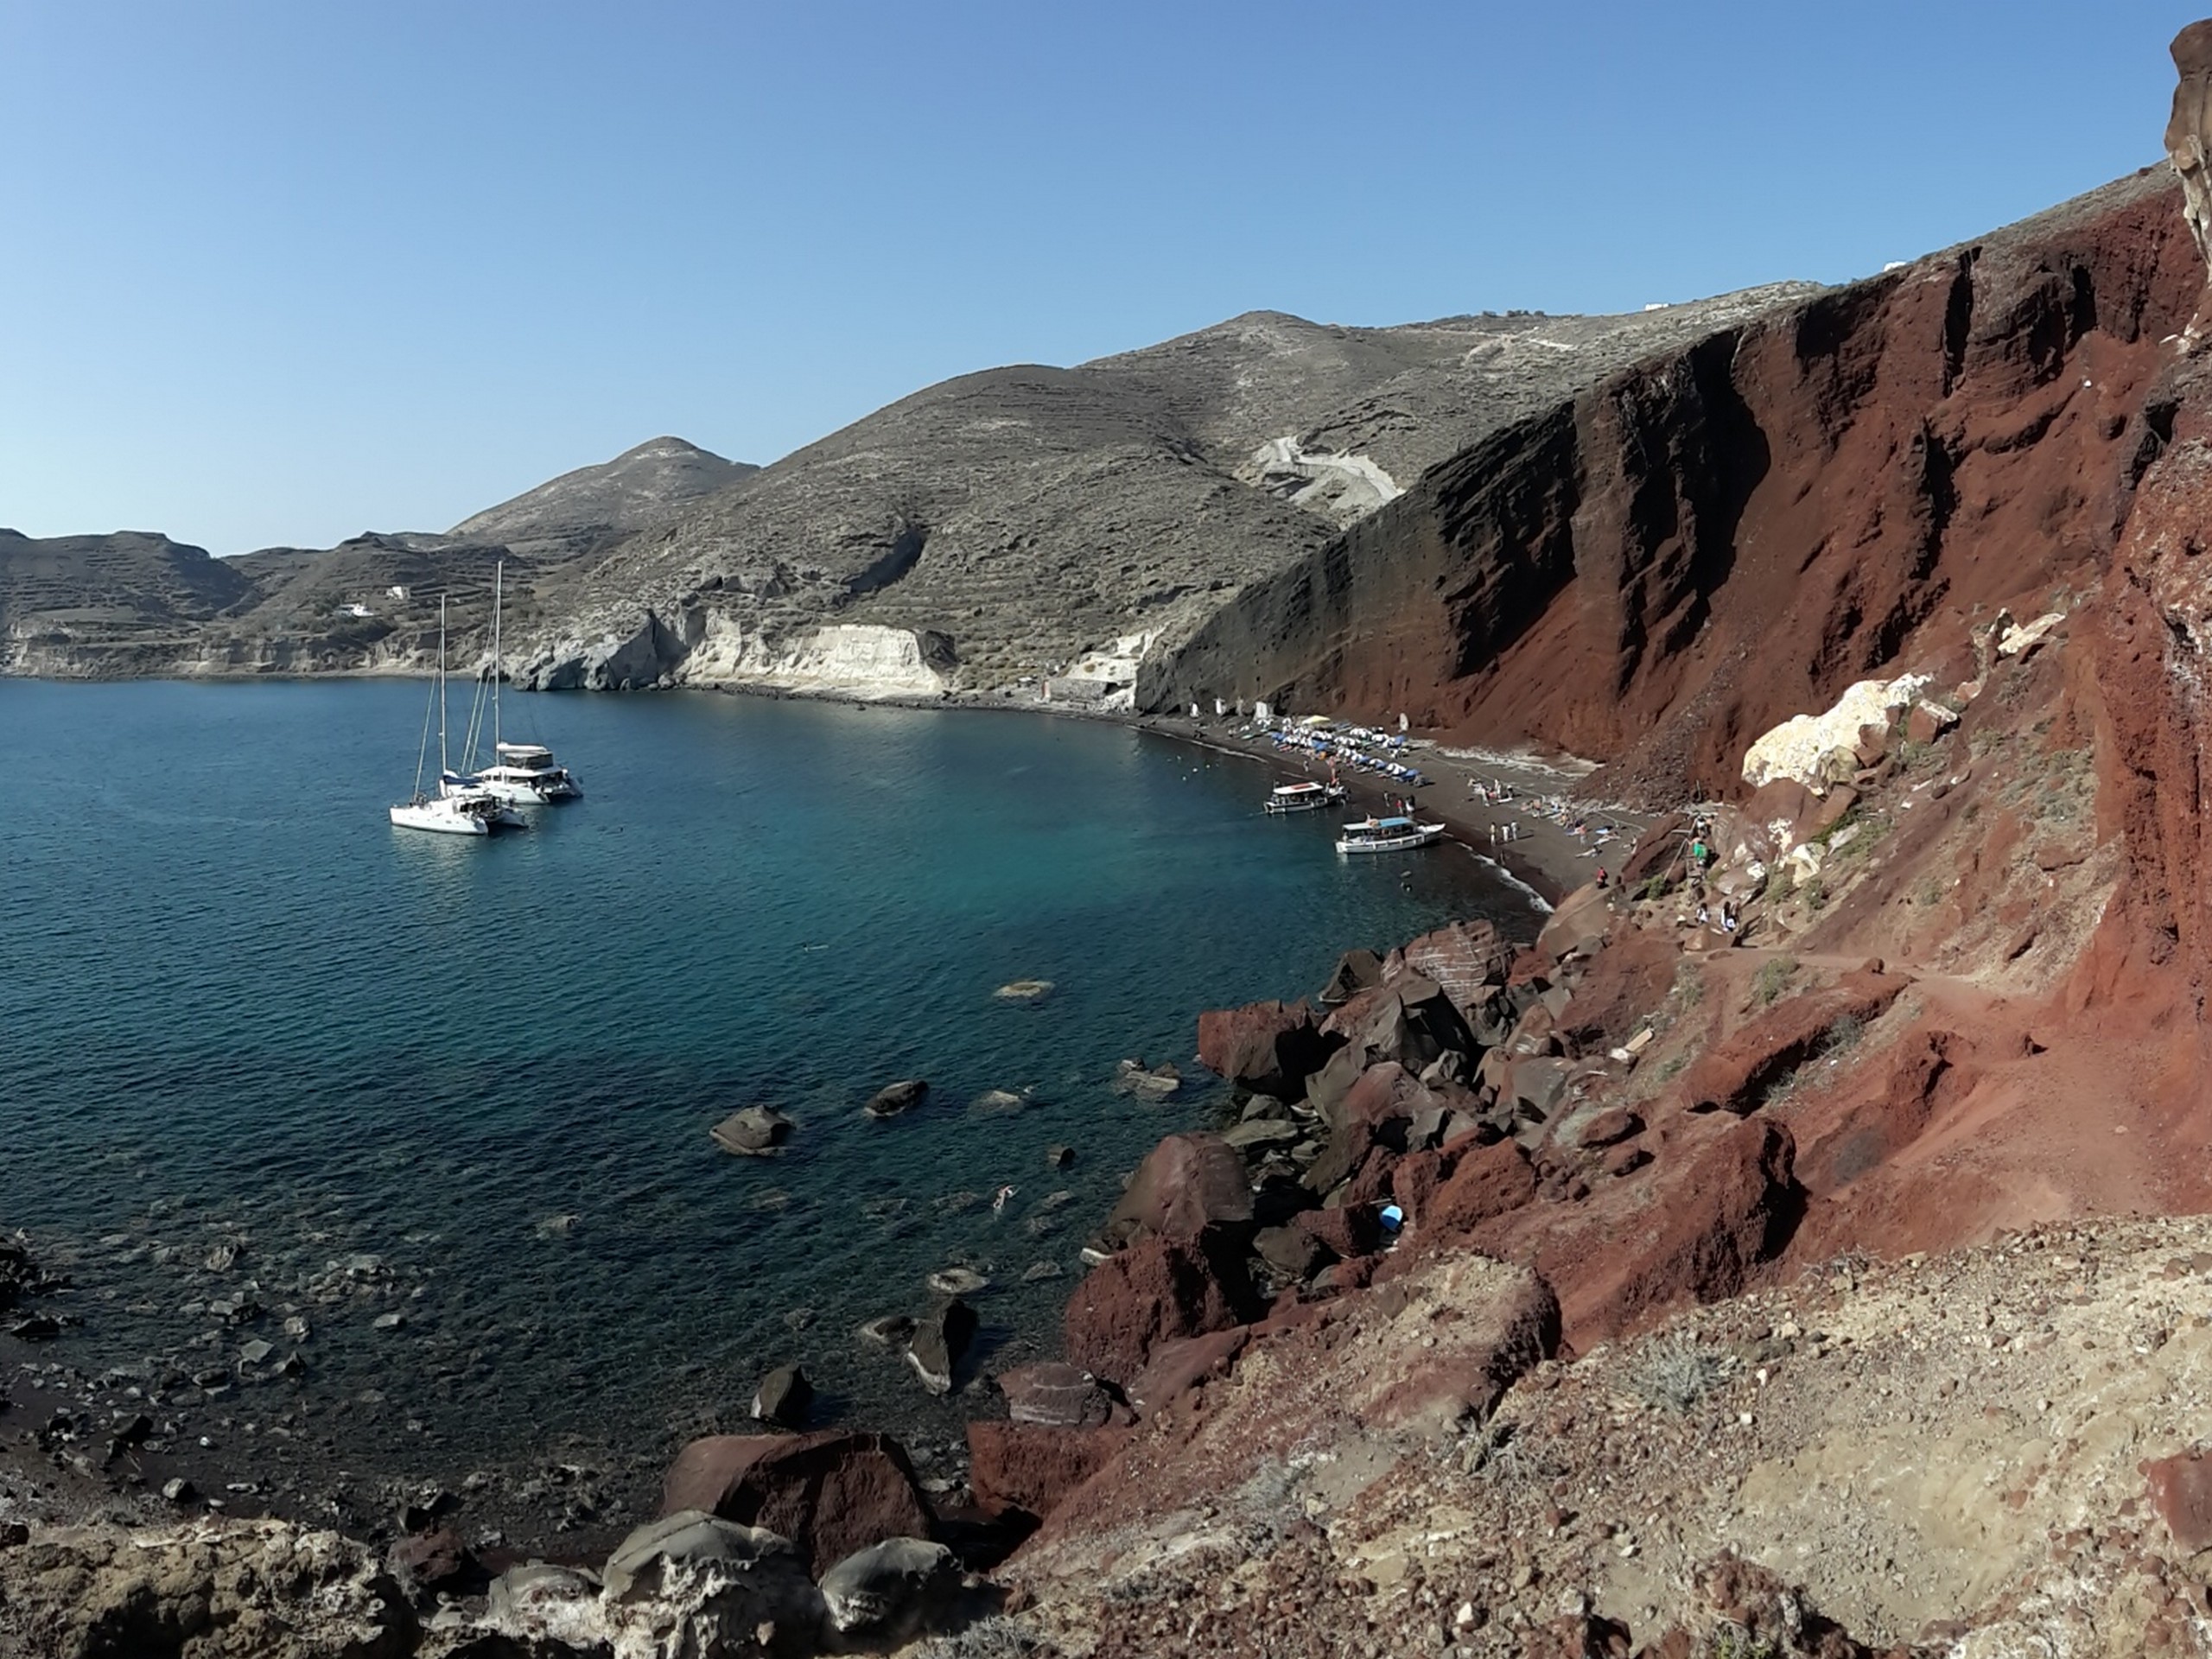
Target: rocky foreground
[(1719, 1309)]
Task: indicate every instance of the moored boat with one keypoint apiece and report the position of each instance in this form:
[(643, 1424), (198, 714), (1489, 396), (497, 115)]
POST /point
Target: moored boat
[(464, 810), (1388, 836), (522, 774), (1303, 797)]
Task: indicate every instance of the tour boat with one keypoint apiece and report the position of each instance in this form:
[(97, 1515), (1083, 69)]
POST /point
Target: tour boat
[(522, 774), (1387, 835), (1303, 797), (465, 812)]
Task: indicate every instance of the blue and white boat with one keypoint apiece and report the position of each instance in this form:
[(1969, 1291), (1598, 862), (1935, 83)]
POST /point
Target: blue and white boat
[(1387, 835)]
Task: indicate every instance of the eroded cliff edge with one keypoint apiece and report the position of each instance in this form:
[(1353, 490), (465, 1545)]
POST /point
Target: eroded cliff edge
[(1730, 533)]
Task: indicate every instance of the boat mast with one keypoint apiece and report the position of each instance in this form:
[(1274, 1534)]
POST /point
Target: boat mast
[(498, 571), (442, 685)]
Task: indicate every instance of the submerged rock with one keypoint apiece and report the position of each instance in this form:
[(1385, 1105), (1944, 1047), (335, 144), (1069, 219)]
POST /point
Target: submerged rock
[(894, 1098), (959, 1281), (754, 1132), (1146, 1082), (1031, 991)]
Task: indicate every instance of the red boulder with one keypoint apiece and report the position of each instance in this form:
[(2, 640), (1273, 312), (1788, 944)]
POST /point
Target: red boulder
[(1185, 1184), (1155, 1291), (831, 1493), (1270, 1048)]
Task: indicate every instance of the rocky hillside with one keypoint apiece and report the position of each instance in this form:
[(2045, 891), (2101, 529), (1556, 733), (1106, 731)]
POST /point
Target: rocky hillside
[(585, 509), (1023, 516), (989, 528)]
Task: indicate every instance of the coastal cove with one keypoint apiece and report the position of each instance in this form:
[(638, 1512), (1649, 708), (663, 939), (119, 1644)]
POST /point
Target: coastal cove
[(444, 1105)]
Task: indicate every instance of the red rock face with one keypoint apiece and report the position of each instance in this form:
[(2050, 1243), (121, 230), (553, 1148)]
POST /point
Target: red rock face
[(1032, 1468), (2181, 1490), (1269, 1048), (1186, 1184), (830, 1493), (1727, 537), (1155, 1291)]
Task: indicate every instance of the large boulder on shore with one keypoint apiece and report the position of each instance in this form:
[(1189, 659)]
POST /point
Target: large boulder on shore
[(831, 1493), (267, 1587), (939, 1342), (1155, 1291), (1462, 959), (692, 1583), (1409, 1019), (1356, 971), (1055, 1395), (1185, 1184), (1269, 1048), (892, 1591)]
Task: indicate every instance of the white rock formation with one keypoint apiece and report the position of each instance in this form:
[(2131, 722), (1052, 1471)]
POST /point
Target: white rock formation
[(1349, 486), (843, 659), (1817, 750)]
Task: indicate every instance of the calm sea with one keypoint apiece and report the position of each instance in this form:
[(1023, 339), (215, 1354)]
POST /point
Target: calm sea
[(256, 1045)]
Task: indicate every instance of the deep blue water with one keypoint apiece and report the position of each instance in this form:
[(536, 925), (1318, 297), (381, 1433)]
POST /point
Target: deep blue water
[(237, 1007)]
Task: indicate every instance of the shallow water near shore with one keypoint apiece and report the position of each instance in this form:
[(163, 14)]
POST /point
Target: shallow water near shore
[(268, 1059)]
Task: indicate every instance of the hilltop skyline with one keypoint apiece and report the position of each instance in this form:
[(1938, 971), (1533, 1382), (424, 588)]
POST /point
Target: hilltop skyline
[(283, 276)]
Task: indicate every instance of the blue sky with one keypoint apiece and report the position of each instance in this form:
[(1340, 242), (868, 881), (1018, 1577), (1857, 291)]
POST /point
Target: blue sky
[(280, 272)]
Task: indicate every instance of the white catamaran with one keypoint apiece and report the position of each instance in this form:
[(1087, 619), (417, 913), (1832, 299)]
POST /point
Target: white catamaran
[(522, 774), (470, 812), (1387, 835)]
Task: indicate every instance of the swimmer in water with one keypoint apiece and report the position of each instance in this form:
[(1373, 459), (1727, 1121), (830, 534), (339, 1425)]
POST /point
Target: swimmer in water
[(999, 1197)]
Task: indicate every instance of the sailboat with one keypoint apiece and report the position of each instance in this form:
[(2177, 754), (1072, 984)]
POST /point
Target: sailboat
[(524, 774), (467, 813)]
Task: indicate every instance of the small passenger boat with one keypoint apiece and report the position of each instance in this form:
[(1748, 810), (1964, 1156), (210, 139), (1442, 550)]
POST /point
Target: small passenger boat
[(1303, 797), (1387, 835)]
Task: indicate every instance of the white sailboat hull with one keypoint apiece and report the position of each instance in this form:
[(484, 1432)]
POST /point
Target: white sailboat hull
[(443, 817)]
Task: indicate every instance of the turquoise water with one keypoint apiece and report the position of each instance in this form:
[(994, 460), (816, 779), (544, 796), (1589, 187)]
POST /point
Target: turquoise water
[(253, 1035)]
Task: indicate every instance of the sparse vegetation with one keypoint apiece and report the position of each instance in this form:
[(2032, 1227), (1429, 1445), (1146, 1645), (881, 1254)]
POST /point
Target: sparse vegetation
[(1729, 1640), (995, 1638), (1782, 884), (1843, 1034), (1654, 887), (1772, 979), (1672, 1069), (1674, 1373), (1816, 894), (1779, 1091), (1689, 986)]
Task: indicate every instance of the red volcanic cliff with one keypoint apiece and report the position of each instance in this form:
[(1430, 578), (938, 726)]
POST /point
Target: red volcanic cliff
[(1723, 537)]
